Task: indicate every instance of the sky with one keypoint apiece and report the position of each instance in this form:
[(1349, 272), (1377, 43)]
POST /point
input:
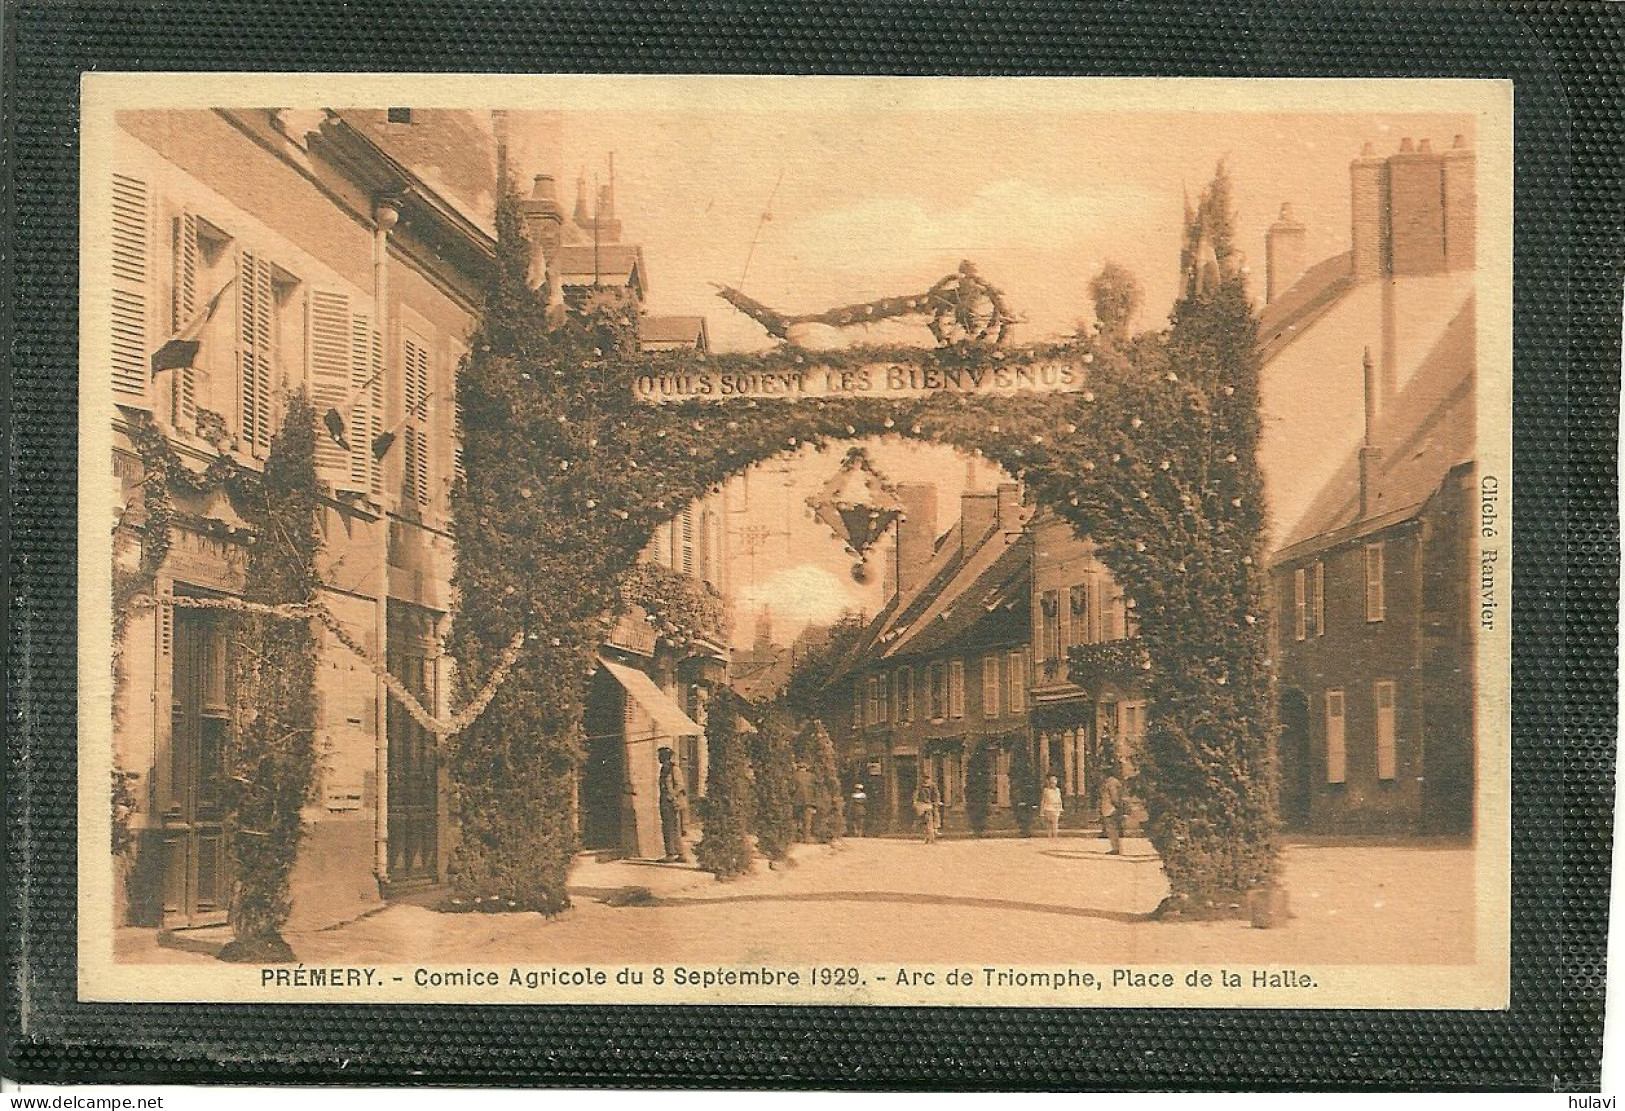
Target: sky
[(811, 209)]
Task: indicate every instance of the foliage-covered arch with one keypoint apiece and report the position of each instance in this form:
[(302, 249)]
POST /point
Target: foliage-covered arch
[(568, 476)]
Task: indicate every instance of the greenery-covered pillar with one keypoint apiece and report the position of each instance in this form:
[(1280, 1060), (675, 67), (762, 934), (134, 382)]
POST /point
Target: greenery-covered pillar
[(271, 761)]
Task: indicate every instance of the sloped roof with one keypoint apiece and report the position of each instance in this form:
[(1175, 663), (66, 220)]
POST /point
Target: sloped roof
[(1429, 429), (992, 609), (688, 330), (608, 263), (452, 151), (1303, 302)]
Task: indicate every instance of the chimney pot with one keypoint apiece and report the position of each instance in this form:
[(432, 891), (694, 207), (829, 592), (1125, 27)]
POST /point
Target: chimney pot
[(1406, 145), (1458, 142), (1427, 146), (1368, 150)]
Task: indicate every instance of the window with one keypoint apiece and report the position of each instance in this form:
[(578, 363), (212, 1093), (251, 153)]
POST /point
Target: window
[(1373, 582), (956, 689), (883, 697), (415, 395), (1318, 610), (1078, 615), (131, 290), (685, 547), (1017, 701), (857, 704), (399, 115), (1114, 621), (872, 713), (1049, 610), (1132, 734), (1337, 770), (905, 695), (990, 686), (201, 269), (1300, 604), (263, 291), (939, 692), (1383, 696)]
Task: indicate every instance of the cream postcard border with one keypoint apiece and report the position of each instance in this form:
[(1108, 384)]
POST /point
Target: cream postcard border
[(1481, 985)]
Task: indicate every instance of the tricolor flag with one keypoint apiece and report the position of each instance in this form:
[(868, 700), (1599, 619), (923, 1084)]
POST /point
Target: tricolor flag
[(182, 349)]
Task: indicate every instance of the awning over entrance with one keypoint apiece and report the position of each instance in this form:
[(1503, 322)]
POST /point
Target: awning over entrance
[(668, 717)]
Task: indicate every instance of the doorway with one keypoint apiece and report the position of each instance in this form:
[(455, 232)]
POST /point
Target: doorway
[(197, 865), (603, 774), (906, 771), (1297, 784), (414, 768)]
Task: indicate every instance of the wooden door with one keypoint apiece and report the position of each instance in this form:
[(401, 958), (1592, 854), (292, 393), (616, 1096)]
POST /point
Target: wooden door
[(414, 768), (197, 863)]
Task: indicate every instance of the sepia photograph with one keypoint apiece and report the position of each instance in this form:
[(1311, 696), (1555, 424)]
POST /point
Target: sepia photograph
[(878, 541)]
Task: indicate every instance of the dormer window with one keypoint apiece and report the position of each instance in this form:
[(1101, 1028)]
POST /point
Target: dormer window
[(400, 115)]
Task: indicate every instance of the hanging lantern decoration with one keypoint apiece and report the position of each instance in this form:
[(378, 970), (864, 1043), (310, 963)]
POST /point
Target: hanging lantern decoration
[(857, 504)]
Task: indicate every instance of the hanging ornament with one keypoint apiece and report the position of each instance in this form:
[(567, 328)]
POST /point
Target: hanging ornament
[(857, 504)]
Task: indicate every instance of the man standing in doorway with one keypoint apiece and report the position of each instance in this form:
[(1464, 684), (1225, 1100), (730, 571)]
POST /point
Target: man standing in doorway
[(673, 801)]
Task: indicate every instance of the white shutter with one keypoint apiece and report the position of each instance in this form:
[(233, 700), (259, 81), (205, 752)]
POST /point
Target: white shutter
[(414, 419), (990, 686), (330, 387), (183, 305), (956, 689), (1337, 770), (1374, 601), (1383, 695), (1299, 603), (131, 290), (256, 301), (367, 382)]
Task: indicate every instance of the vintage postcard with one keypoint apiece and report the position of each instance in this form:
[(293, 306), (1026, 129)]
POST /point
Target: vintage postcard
[(895, 541)]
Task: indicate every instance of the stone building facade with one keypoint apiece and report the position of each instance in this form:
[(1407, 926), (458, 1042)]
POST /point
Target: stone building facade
[(1372, 354)]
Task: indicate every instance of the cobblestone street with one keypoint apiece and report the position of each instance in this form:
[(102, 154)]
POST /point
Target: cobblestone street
[(1004, 900)]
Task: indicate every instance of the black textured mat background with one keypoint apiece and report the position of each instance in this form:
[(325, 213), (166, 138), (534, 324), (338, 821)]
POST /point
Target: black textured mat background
[(1566, 61)]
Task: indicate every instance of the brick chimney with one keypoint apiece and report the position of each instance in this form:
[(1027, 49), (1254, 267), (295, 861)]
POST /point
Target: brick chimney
[(1416, 209), (1368, 196), (1283, 254), (977, 514), (1459, 169), (916, 533), (544, 224), (1011, 520)]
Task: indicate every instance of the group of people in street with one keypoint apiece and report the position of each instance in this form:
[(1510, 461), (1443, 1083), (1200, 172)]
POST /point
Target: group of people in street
[(928, 807)]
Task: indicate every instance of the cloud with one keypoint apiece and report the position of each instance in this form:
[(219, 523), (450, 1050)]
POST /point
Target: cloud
[(800, 595)]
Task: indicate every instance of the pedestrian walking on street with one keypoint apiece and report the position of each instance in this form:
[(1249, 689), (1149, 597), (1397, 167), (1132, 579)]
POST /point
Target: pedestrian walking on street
[(673, 804), (806, 806), (925, 807), (1049, 807), (857, 810), (1111, 810)]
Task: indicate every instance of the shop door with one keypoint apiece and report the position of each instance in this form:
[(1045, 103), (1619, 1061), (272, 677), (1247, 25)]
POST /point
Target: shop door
[(414, 770), (197, 865), (908, 779)]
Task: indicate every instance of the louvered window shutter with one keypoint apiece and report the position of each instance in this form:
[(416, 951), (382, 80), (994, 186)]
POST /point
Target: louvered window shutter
[(366, 381), (330, 387), (183, 306), (256, 301), (131, 290), (415, 393)]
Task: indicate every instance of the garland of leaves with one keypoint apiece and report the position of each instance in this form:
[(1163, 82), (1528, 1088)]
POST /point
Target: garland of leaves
[(1156, 460), (682, 611), (1108, 660), (271, 759)]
